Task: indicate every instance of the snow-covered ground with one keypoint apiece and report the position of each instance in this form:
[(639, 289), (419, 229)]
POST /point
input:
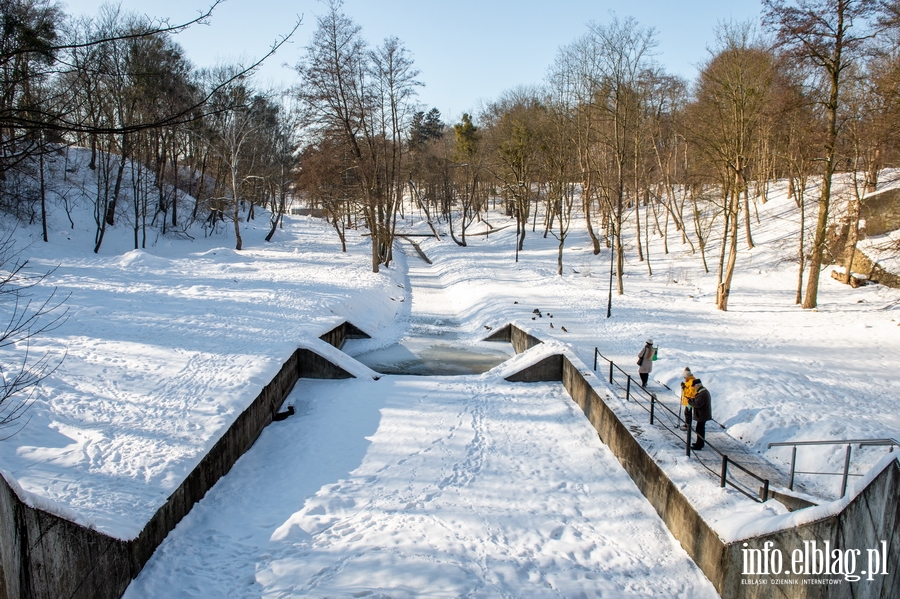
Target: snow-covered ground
[(165, 346), (404, 487)]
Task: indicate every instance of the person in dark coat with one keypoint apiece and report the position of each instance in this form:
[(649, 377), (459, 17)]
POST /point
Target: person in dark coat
[(702, 408), (645, 362)]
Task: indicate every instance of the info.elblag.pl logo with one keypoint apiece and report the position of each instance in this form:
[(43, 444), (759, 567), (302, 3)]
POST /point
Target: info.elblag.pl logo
[(814, 559)]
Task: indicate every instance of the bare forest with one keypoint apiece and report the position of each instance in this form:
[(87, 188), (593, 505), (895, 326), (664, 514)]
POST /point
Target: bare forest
[(608, 141)]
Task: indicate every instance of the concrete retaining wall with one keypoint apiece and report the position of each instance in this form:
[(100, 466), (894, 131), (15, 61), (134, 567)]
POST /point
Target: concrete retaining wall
[(874, 271), (341, 333), (44, 556), (697, 538), (872, 517), (520, 340), (548, 369)]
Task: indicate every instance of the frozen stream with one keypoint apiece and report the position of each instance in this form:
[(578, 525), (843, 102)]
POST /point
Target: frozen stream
[(423, 352), (424, 487), (433, 345)]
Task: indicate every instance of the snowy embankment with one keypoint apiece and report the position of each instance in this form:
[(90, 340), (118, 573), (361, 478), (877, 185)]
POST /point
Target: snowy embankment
[(165, 347), (164, 350)]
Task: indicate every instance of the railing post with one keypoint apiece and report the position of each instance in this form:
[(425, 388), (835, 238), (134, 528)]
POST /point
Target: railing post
[(793, 464), (765, 490), (610, 372), (596, 351), (628, 389), (687, 445), (846, 471), (652, 406), (724, 470)]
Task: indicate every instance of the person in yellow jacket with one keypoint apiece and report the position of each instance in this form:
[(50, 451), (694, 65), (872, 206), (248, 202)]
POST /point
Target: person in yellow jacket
[(687, 393)]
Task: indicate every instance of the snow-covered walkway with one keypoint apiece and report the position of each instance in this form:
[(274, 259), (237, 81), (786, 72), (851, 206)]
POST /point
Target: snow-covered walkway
[(747, 469)]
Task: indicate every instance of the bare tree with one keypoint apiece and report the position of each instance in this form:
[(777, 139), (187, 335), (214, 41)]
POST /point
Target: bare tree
[(624, 50), (512, 128), (361, 98), (23, 319), (733, 93), (828, 36)]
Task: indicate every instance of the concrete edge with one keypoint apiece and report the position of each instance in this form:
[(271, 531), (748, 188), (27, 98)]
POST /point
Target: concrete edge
[(339, 334), (46, 556), (520, 340)]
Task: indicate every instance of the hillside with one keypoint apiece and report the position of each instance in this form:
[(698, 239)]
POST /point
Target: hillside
[(165, 345)]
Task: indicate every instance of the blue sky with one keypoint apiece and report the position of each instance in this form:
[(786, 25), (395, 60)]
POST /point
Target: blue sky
[(468, 51)]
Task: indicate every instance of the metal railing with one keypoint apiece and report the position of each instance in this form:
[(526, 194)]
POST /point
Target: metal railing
[(671, 421), (848, 442)]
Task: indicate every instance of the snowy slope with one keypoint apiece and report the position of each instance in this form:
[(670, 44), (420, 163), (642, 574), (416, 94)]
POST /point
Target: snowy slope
[(165, 347)]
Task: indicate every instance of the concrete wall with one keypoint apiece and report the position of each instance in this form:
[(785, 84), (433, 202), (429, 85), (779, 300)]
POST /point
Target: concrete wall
[(871, 517), (881, 212), (341, 333), (697, 538), (519, 339), (548, 369), (874, 272), (44, 556)]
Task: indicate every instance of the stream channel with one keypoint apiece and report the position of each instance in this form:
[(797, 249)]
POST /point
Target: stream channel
[(434, 350), (433, 345)]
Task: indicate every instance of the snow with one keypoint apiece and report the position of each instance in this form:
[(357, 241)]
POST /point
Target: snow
[(411, 486)]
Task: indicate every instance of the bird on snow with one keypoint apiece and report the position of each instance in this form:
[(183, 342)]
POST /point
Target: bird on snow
[(551, 325), (564, 330)]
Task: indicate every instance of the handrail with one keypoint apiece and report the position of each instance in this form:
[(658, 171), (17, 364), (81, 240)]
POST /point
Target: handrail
[(848, 442), (654, 402), (861, 442)]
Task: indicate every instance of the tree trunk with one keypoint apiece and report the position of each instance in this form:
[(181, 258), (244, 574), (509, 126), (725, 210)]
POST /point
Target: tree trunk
[(818, 250), (43, 196), (720, 271), (236, 212), (586, 208), (111, 208), (725, 287), (647, 237), (872, 176), (750, 244), (637, 225)]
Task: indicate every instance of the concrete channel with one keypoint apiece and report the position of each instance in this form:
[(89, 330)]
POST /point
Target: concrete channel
[(45, 556)]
